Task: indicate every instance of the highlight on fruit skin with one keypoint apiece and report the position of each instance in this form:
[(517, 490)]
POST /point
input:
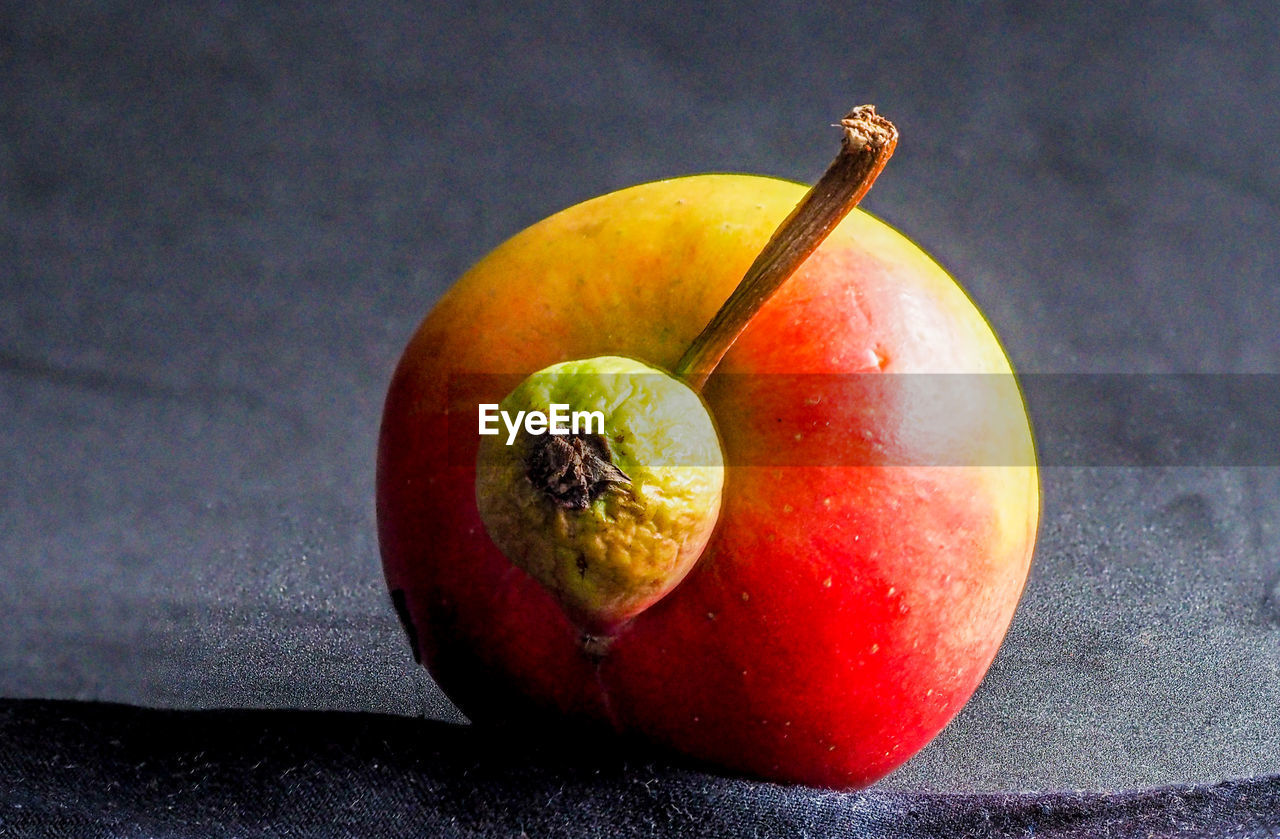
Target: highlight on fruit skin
[(611, 518)]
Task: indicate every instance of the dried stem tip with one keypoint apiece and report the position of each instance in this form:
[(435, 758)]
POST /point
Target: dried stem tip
[(869, 141)]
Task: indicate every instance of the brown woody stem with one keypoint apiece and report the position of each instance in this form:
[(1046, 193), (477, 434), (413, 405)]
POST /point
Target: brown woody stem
[(869, 141)]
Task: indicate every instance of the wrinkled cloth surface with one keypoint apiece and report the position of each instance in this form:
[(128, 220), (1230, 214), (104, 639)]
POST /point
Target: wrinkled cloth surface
[(97, 769)]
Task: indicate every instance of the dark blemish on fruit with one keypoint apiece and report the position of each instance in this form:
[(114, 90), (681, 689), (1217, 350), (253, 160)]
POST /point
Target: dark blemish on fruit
[(582, 565), (595, 647), (573, 470), (406, 622)]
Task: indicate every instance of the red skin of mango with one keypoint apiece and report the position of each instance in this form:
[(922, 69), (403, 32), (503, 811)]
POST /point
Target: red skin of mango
[(846, 607)]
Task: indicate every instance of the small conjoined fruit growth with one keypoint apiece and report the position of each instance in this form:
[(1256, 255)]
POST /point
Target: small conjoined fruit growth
[(610, 519)]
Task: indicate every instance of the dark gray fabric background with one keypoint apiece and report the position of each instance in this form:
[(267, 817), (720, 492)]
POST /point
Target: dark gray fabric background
[(219, 224)]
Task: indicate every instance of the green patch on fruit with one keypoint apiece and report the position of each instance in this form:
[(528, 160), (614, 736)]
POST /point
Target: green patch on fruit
[(608, 522)]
